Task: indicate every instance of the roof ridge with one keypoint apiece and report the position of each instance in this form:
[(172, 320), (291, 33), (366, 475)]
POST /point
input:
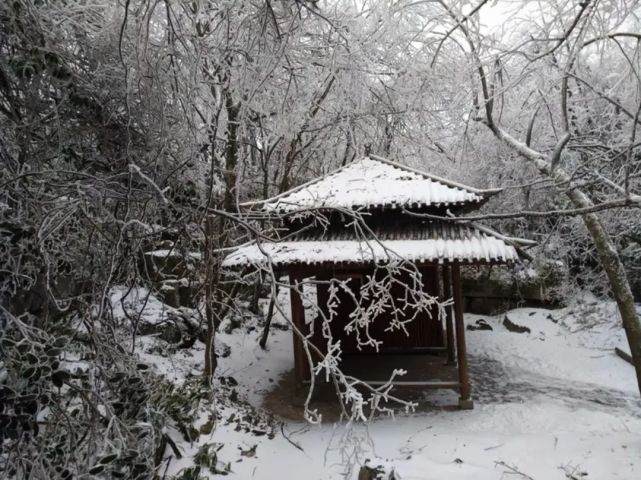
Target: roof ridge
[(436, 178)]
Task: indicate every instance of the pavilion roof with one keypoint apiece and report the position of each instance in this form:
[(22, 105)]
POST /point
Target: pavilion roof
[(372, 182), (435, 242)]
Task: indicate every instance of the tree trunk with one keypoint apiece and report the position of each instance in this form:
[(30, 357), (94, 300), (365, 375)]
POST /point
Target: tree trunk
[(605, 248), (231, 153), (229, 204), (210, 330)]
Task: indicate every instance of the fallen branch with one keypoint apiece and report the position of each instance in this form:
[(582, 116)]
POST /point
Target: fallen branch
[(513, 470), (624, 355), (282, 430)]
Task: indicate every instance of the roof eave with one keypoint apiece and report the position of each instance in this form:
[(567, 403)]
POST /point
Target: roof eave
[(282, 265)]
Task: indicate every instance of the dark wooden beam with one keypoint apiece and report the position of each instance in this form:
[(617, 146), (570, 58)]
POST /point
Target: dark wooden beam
[(426, 384), (301, 367), (449, 327), (390, 352), (465, 399), (353, 266)]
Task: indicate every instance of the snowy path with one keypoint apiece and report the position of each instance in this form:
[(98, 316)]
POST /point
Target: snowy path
[(495, 383), (548, 404)]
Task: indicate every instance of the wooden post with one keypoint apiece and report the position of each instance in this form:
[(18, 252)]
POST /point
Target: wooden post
[(449, 328), (298, 319), (465, 399)]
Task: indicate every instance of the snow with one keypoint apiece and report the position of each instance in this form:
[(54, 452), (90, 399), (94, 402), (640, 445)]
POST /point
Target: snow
[(481, 247), (259, 369), (370, 182), (555, 403), (175, 367), (546, 404), (130, 302), (165, 253)]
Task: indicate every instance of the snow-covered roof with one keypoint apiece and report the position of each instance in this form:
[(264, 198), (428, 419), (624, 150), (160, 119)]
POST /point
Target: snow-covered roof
[(426, 243), (374, 182)]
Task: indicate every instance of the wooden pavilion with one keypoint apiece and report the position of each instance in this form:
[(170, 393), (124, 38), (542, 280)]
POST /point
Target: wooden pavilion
[(387, 196)]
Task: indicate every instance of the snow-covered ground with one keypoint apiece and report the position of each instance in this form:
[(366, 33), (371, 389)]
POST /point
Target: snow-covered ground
[(555, 403)]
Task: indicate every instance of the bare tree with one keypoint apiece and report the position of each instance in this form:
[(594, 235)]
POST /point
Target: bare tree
[(589, 148)]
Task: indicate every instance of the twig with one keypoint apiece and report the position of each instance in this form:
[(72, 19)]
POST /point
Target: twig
[(513, 470), (282, 430)]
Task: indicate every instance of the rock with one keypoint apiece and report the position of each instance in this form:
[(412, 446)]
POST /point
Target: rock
[(480, 325), (172, 333), (229, 381), (250, 452), (367, 473), (221, 349), (173, 273), (373, 471), (513, 327), (489, 291), (230, 323), (179, 292), (169, 295)]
